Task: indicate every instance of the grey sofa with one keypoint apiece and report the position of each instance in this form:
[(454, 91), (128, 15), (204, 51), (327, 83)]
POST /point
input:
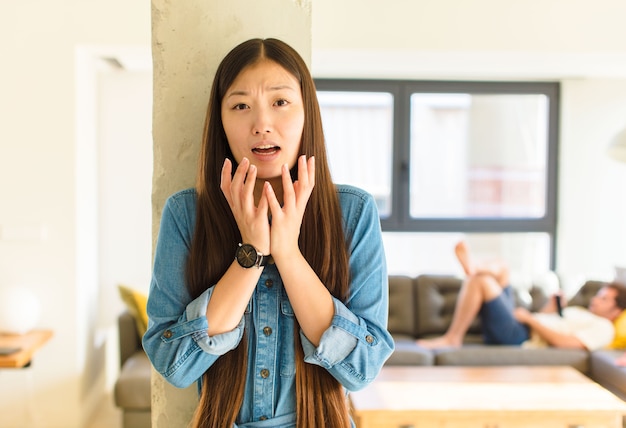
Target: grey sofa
[(418, 307), (422, 307), (132, 388)]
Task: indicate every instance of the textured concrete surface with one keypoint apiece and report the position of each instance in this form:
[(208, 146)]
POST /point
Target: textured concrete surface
[(188, 40)]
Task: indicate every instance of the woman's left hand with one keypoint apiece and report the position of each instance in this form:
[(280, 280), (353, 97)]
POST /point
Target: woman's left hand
[(287, 220)]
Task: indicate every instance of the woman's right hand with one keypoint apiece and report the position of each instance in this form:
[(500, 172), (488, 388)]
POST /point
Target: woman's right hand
[(251, 219)]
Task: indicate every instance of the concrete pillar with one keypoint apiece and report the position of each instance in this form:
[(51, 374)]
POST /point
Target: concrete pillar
[(189, 38)]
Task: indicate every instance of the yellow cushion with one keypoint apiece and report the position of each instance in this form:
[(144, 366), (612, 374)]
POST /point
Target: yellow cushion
[(619, 342), (136, 303)]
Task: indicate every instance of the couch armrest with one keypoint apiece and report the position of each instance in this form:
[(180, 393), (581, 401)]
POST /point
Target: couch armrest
[(129, 339), (132, 388)]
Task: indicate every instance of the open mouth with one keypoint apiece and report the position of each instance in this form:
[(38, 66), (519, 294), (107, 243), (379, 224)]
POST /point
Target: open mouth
[(266, 150)]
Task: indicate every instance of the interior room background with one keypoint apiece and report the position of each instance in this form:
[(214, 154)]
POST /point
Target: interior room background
[(76, 151)]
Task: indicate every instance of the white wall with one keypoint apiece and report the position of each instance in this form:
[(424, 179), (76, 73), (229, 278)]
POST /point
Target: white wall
[(592, 230), (125, 185), (479, 25), (39, 187), (460, 39)]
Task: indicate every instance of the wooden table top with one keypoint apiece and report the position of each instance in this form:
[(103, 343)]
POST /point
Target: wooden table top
[(446, 388), (27, 343)]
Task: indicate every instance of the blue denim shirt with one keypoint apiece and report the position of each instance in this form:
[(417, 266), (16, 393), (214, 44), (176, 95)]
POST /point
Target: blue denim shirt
[(352, 349)]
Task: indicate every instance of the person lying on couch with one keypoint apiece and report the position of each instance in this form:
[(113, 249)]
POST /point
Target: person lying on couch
[(486, 291)]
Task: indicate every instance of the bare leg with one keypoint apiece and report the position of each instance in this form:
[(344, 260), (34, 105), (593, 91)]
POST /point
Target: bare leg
[(475, 290), (496, 268), (484, 283), (462, 254)]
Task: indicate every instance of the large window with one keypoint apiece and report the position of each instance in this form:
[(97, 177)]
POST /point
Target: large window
[(449, 158)]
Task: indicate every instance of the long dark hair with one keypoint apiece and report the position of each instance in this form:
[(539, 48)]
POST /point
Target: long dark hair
[(320, 399)]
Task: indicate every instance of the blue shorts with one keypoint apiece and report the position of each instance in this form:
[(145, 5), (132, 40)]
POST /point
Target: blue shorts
[(499, 326)]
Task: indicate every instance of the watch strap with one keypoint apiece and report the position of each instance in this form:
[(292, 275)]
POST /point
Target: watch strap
[(262, 259)]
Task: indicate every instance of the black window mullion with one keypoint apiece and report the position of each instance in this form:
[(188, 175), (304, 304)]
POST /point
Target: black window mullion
[(399, 219), (554, 94), (400, 172)]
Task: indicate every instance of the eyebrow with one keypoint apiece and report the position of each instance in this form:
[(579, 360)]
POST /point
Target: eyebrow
[(271, 88)]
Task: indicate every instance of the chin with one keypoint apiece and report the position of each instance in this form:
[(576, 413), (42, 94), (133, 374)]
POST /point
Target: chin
[(268, 176)]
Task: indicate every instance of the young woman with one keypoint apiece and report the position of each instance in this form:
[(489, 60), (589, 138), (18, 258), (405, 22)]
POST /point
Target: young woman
[(269, 285)]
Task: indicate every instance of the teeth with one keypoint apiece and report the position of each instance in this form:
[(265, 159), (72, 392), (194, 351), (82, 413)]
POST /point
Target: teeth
[(269, 146)]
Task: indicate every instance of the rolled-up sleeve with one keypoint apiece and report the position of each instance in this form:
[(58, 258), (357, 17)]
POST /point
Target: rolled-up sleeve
[(177, 342), (218, 344), (337, 342)]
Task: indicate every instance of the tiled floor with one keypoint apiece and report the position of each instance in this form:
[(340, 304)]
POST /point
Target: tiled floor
[(107, 415)]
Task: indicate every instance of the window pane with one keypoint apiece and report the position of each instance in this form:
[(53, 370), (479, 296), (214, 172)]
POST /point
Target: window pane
[(478, 156), (358, 127), (526, 254)]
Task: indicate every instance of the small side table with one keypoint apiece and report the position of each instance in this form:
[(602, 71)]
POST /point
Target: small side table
[(27, 343)]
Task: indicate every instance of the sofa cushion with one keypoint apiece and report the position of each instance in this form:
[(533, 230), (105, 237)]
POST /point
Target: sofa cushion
[(538, 296), (607, 373), (585, 293), (401, 305), (129, 340), (494, 355), (436, 298), (132, 388), (136, 304)]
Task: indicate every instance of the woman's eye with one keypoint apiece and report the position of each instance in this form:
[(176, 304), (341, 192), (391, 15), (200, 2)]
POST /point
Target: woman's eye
[(240, 107), (282, 102)]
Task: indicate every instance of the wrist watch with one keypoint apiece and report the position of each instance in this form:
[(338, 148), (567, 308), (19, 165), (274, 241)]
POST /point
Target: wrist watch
[(248, 256)]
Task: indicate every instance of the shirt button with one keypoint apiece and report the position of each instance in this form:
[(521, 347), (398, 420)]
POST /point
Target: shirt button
[(269, 283), (265, 373), (263, 418), (267, 331), (167, 334), (369, 339)]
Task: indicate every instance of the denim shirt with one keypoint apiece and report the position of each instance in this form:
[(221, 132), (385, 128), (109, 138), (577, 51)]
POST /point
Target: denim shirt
[(353, 349)]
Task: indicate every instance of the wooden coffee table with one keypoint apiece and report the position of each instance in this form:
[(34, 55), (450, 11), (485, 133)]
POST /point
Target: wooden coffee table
[(485, 397)]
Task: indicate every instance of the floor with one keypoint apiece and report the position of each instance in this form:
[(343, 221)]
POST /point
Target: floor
[(107, 415)]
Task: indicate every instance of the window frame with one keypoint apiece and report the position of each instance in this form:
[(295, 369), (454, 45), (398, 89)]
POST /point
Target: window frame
[(400, 219)]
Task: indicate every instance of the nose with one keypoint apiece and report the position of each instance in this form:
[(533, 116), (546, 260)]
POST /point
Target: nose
[(262, 123)]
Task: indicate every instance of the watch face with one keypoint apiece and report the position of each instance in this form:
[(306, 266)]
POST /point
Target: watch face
[(246, 255)]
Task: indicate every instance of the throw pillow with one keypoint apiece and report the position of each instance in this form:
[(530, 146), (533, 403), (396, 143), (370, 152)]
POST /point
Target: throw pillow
[(136, 303), (619, 342)]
